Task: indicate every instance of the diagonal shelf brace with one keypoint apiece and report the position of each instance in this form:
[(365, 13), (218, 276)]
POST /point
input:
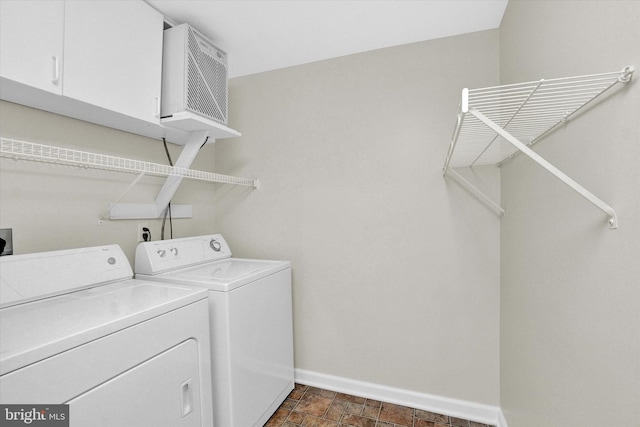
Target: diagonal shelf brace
[(154, 210), (613, 220), (474, 190), (187, 156)]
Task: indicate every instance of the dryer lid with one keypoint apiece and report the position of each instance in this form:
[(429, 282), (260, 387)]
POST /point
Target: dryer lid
[(40, 329)]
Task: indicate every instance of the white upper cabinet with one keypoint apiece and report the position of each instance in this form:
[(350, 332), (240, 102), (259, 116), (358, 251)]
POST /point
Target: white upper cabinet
[(106, 54), (31, 43), (113, 56), (94, 60)]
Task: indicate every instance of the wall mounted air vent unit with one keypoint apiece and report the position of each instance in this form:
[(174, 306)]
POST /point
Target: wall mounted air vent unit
[(194, 75)]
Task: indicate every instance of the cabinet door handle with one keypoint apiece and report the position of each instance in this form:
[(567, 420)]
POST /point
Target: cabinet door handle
[(56, 70), (157, 114)]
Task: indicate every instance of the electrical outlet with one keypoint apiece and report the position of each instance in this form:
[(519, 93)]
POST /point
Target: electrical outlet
[(144, 233), (6, 241)]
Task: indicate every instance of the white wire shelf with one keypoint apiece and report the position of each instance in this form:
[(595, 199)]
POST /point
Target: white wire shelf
[(12, 148), (496, 123), (527, 111)]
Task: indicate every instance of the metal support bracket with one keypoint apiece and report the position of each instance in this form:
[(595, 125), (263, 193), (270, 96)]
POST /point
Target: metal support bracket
[(168, 190), (523, 148)]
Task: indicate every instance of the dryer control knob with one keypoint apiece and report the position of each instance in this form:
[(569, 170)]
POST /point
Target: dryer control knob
[(174, 251), (161, 252), (215, 245)]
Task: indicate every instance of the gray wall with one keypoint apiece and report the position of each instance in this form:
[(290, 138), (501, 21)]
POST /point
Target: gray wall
[(570, 291), (395, 269)]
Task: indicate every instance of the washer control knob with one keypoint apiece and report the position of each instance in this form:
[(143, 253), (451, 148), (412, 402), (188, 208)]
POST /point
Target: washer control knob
[(174, 251), (215, 245), (161, 252)]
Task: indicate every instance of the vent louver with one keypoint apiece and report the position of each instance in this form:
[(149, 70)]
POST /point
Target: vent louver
[(194, 75), (207, 82)]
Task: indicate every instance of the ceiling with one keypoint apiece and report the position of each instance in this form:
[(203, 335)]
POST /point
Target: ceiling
[(263, 35)]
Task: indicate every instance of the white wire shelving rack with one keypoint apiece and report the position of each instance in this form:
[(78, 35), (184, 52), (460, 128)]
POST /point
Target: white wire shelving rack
[(495, 124), (65, 156), (23, 150)]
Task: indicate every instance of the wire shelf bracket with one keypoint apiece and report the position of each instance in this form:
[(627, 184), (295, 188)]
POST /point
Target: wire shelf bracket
[(493, 122), (16, 149)]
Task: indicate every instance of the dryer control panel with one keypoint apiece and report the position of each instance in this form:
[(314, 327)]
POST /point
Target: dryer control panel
[(35, 276), (166, 255)]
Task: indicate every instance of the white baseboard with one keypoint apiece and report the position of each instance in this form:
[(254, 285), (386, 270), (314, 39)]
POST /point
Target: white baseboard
[(501, 420), (442, 405)]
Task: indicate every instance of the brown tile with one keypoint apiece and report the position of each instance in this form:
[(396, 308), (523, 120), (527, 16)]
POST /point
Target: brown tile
[(336, 410), (459, 422), (342, 404), (289, 404), (357, 421), (432, 416), (350, 398), (313, 404), (396, 414), (418, 422), (315, 407), (354, 408), (278, 418), (321, 392), (318, 422), (373, 403), (296, 417), (297, 392), (371, 411)]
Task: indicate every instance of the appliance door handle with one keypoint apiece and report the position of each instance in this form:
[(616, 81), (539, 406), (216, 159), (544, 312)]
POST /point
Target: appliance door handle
[(187, 397), (56, 69)]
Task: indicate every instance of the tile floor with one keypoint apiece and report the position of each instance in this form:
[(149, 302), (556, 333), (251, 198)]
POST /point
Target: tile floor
[(313, 407)]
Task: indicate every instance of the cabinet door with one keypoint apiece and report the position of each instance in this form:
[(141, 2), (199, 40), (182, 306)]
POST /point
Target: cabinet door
[(113, 56), (31, 42)]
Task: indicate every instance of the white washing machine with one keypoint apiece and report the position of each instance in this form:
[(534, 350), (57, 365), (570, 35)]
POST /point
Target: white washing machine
[(251, 321), (76, 329)]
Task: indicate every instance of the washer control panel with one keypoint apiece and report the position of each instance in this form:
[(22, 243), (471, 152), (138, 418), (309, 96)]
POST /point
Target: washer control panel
[(165, 255), (215, 245)]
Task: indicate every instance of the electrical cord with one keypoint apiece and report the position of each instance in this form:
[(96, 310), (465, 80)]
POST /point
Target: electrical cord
[(167, 211)]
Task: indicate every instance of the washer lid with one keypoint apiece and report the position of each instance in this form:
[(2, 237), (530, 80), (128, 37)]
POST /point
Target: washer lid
[(223, 275), (35, 330)]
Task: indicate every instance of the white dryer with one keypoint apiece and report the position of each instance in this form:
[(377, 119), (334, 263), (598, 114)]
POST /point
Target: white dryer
[(76, 329), (251, 321)]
